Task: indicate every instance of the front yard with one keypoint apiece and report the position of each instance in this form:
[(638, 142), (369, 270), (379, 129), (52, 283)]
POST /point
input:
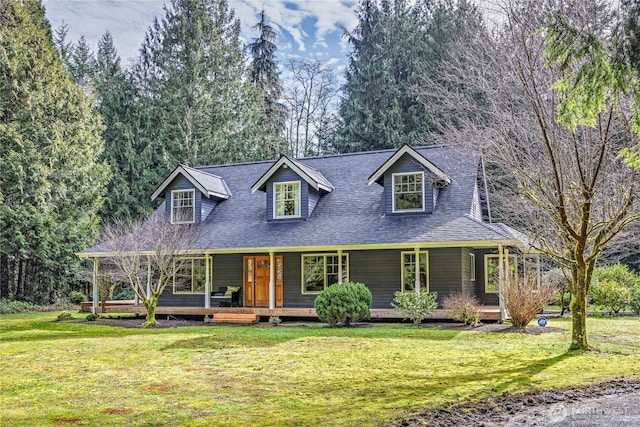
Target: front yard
[(80, 373)]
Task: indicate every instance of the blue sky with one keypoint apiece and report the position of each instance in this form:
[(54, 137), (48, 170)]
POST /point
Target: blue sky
[(306, 28)]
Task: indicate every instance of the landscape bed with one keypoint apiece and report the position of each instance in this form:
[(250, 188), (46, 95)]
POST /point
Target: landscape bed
[(83, 373)]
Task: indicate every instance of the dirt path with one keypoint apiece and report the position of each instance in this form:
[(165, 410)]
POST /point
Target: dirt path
[(611, 403)]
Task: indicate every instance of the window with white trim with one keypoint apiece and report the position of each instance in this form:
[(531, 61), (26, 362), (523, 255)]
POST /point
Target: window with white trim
[(408, 192), (472, 267), (183, 206), (492, 272), (286, 200), (408, 271), (190, 276), (320, 271)]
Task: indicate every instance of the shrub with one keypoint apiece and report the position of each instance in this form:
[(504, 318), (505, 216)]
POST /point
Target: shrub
[(65, 315), (634, 301), (77, 297), (610, 295), (9, 306), (524, 299), (463, 308), (275, 320), (618, 273), (91, 317), (413, 306), (343, 303)]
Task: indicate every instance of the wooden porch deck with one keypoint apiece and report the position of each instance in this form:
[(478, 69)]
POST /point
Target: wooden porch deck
[(491, 313)]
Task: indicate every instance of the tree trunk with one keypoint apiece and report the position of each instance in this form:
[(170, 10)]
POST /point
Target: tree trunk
[(578, 308), (4, 277), (150, 305)]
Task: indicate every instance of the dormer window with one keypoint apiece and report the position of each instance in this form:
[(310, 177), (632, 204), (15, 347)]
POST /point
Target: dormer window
[(408, 193), (286, 200), (182, 207)]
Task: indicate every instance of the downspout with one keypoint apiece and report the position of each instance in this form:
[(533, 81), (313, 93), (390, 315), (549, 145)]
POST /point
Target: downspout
[(94, 303), (272, 282)]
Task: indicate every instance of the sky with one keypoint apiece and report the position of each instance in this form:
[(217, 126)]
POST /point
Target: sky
[(307, 28)]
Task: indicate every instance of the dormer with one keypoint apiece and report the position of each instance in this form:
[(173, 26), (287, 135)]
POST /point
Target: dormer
[(293, 189), (411, 182), (191, 194)]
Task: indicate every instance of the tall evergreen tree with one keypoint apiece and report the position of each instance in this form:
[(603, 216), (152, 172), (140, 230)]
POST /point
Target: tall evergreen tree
[(202, 107), (392, 45), (125, 149), (264, 73), (52, 183)]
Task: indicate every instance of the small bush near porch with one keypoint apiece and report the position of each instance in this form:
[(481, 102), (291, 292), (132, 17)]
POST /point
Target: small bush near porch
[(86, 373)]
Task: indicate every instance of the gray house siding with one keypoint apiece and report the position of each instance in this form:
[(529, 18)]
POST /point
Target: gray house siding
[(207, 206), (465, 269), (287, 175), (379, 271), (445, 276), (182, 183), (407, 164)]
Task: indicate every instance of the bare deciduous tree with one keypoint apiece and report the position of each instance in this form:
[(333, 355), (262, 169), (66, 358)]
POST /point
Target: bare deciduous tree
[(311, 91), (565, 185), (147, 255)]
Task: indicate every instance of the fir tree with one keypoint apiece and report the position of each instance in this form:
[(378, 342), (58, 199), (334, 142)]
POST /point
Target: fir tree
[(52, 183)]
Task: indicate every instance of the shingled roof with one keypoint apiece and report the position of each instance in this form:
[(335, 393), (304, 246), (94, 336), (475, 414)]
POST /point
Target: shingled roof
[(352, 214)]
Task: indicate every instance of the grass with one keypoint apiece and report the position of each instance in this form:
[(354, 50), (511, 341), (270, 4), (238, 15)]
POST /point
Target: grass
[(80, 373)]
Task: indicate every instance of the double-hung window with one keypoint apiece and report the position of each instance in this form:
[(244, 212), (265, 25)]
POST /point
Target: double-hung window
[(492, 271), (190, 275), (323, 270), (286, 200), (183, 206), (409, 271), (408, 192)]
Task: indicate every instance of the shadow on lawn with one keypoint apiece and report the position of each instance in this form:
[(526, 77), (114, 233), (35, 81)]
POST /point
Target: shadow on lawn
[(514, 379)]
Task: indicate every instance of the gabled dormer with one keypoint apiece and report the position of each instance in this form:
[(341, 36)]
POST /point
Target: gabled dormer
[(293, 189), (411, 182), (191, 194)]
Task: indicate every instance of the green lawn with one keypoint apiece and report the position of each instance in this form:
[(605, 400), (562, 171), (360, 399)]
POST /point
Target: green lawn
[(80, 373)]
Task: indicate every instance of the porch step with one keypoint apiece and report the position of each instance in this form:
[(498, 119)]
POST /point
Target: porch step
[(237, 318)]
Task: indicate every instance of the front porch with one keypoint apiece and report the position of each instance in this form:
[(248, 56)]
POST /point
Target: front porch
[(488, 312)]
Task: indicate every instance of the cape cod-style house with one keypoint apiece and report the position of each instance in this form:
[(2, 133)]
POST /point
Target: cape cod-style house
[(278, 232)]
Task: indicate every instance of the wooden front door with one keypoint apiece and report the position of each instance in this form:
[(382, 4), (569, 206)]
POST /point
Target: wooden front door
[(257, 272)]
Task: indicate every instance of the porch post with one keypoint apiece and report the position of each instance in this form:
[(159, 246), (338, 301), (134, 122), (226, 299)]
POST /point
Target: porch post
[(272, 281), (148, 276), (416, 284), (339, 265), (94, 303), (207, 284), (501, 282)]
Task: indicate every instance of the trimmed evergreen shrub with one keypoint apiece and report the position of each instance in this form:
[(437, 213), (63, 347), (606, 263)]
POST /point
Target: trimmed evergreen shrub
[(413, 306), (463, 308), (92, 317), (341, 304)]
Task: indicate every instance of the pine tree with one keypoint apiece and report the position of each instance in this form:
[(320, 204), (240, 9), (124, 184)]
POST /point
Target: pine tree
[(393, 44), (202, 107), (264, 73), (128, 195), (52, 183)]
